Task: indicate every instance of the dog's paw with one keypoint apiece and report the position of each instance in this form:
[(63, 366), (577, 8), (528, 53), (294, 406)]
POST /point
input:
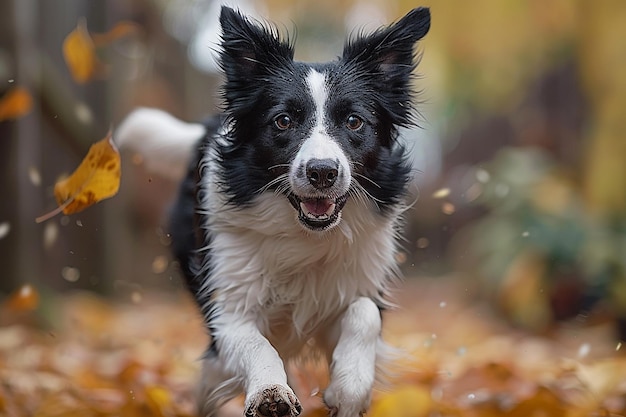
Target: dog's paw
[(345, 402), (273, 401)]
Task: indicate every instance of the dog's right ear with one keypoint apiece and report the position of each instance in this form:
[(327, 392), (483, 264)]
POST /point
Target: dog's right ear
[(248, 47)]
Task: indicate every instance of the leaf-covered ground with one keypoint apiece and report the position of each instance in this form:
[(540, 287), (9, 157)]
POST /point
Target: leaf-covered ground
[(91, 357)]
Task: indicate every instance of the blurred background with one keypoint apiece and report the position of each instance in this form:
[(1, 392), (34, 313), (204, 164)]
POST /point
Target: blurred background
[(520, 156)]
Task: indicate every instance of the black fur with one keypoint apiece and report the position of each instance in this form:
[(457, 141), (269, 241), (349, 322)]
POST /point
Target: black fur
[(372, 79)]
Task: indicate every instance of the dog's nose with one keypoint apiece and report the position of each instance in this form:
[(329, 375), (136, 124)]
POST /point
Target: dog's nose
[(322, 173)]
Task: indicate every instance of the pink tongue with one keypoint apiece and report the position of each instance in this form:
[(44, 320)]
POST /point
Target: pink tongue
[(318, 206)]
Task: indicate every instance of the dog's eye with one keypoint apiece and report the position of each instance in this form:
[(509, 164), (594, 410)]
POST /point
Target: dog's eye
[(354, 122), (283, 122)]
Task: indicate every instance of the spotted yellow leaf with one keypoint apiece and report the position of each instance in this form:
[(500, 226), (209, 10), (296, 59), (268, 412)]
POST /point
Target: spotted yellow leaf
[(96, 178)]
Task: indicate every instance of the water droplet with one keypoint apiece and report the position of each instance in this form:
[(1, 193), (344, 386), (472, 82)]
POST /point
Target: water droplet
[(441, 193), (482, 175), (471, 396), (50, 234), (583, 350), (422, 243), (448, 208), (501, 190), (136, 297), (160, 264), (34, 176), (5, 228), (70, 274)]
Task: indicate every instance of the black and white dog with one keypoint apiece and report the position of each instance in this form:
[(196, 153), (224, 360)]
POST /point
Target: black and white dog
[(287, 219)]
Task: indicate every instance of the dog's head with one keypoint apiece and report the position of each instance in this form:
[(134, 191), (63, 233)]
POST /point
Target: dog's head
[(319, 134)]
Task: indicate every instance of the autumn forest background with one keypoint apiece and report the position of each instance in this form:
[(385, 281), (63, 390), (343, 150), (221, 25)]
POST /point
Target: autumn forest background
[(514, 254)]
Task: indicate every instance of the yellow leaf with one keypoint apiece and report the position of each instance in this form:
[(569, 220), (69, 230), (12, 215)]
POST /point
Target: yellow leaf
[(120, 30), (96, 178), (407, 401), (79, 49), (16, 103), (80, 54), (159, 400)]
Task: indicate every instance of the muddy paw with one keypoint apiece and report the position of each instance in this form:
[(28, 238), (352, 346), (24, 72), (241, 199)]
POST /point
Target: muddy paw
[(273, 401)]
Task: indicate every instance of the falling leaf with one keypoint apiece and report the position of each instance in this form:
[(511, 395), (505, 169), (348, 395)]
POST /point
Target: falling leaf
[(80, 47), (120, 30), (80, 56), (96, 178), (26, 298), (16, 103)]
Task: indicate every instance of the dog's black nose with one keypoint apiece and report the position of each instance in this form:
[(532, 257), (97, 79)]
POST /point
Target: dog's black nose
[(322, 173)]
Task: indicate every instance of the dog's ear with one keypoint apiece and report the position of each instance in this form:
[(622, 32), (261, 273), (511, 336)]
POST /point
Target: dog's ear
[(248, 47), (390, 50), (387, 60)]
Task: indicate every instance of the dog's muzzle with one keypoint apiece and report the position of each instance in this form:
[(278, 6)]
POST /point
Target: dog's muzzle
[(322, 199)]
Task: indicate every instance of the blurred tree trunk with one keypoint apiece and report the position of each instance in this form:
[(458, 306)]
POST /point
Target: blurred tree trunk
[(20, 150), (603, 63)]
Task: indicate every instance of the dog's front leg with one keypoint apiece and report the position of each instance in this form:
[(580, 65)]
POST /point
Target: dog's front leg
[(353, 365), (249, 355)]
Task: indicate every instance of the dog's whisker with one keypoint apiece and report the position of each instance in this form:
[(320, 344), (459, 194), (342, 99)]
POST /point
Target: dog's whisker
[(371, 181), (278, 180)]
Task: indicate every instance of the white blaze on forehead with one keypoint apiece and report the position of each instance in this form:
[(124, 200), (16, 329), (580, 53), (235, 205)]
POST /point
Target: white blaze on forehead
[(319, 144), (316, 82)]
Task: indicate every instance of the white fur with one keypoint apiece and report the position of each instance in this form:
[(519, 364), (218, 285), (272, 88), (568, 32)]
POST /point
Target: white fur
[(164, 142)]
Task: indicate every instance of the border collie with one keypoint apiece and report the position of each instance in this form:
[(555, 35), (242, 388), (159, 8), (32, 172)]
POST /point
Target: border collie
[(286, 222)]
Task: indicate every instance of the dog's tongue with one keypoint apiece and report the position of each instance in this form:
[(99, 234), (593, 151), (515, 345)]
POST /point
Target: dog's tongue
[(318, 206)]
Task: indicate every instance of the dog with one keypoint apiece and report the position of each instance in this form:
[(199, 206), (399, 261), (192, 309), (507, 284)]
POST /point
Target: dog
[(287, 219)]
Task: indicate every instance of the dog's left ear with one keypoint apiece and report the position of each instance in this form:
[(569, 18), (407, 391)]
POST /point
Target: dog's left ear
[(390, 50)]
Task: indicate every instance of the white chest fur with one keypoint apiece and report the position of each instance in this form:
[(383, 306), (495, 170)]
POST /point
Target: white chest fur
[(266, 267)]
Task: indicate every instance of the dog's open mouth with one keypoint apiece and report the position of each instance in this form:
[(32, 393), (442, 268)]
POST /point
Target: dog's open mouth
[(318, 213)]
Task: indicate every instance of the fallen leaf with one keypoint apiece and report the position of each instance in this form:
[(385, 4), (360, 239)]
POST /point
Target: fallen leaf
[(16, 103), (407, 401), (96, 178), (159, 401)]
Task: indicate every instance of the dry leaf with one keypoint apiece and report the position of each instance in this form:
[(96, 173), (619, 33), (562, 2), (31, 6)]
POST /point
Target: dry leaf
[(79, 49), (16, 103), (26, 298), (80, 56), (120, 30), (407, 401), (96, 178)]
